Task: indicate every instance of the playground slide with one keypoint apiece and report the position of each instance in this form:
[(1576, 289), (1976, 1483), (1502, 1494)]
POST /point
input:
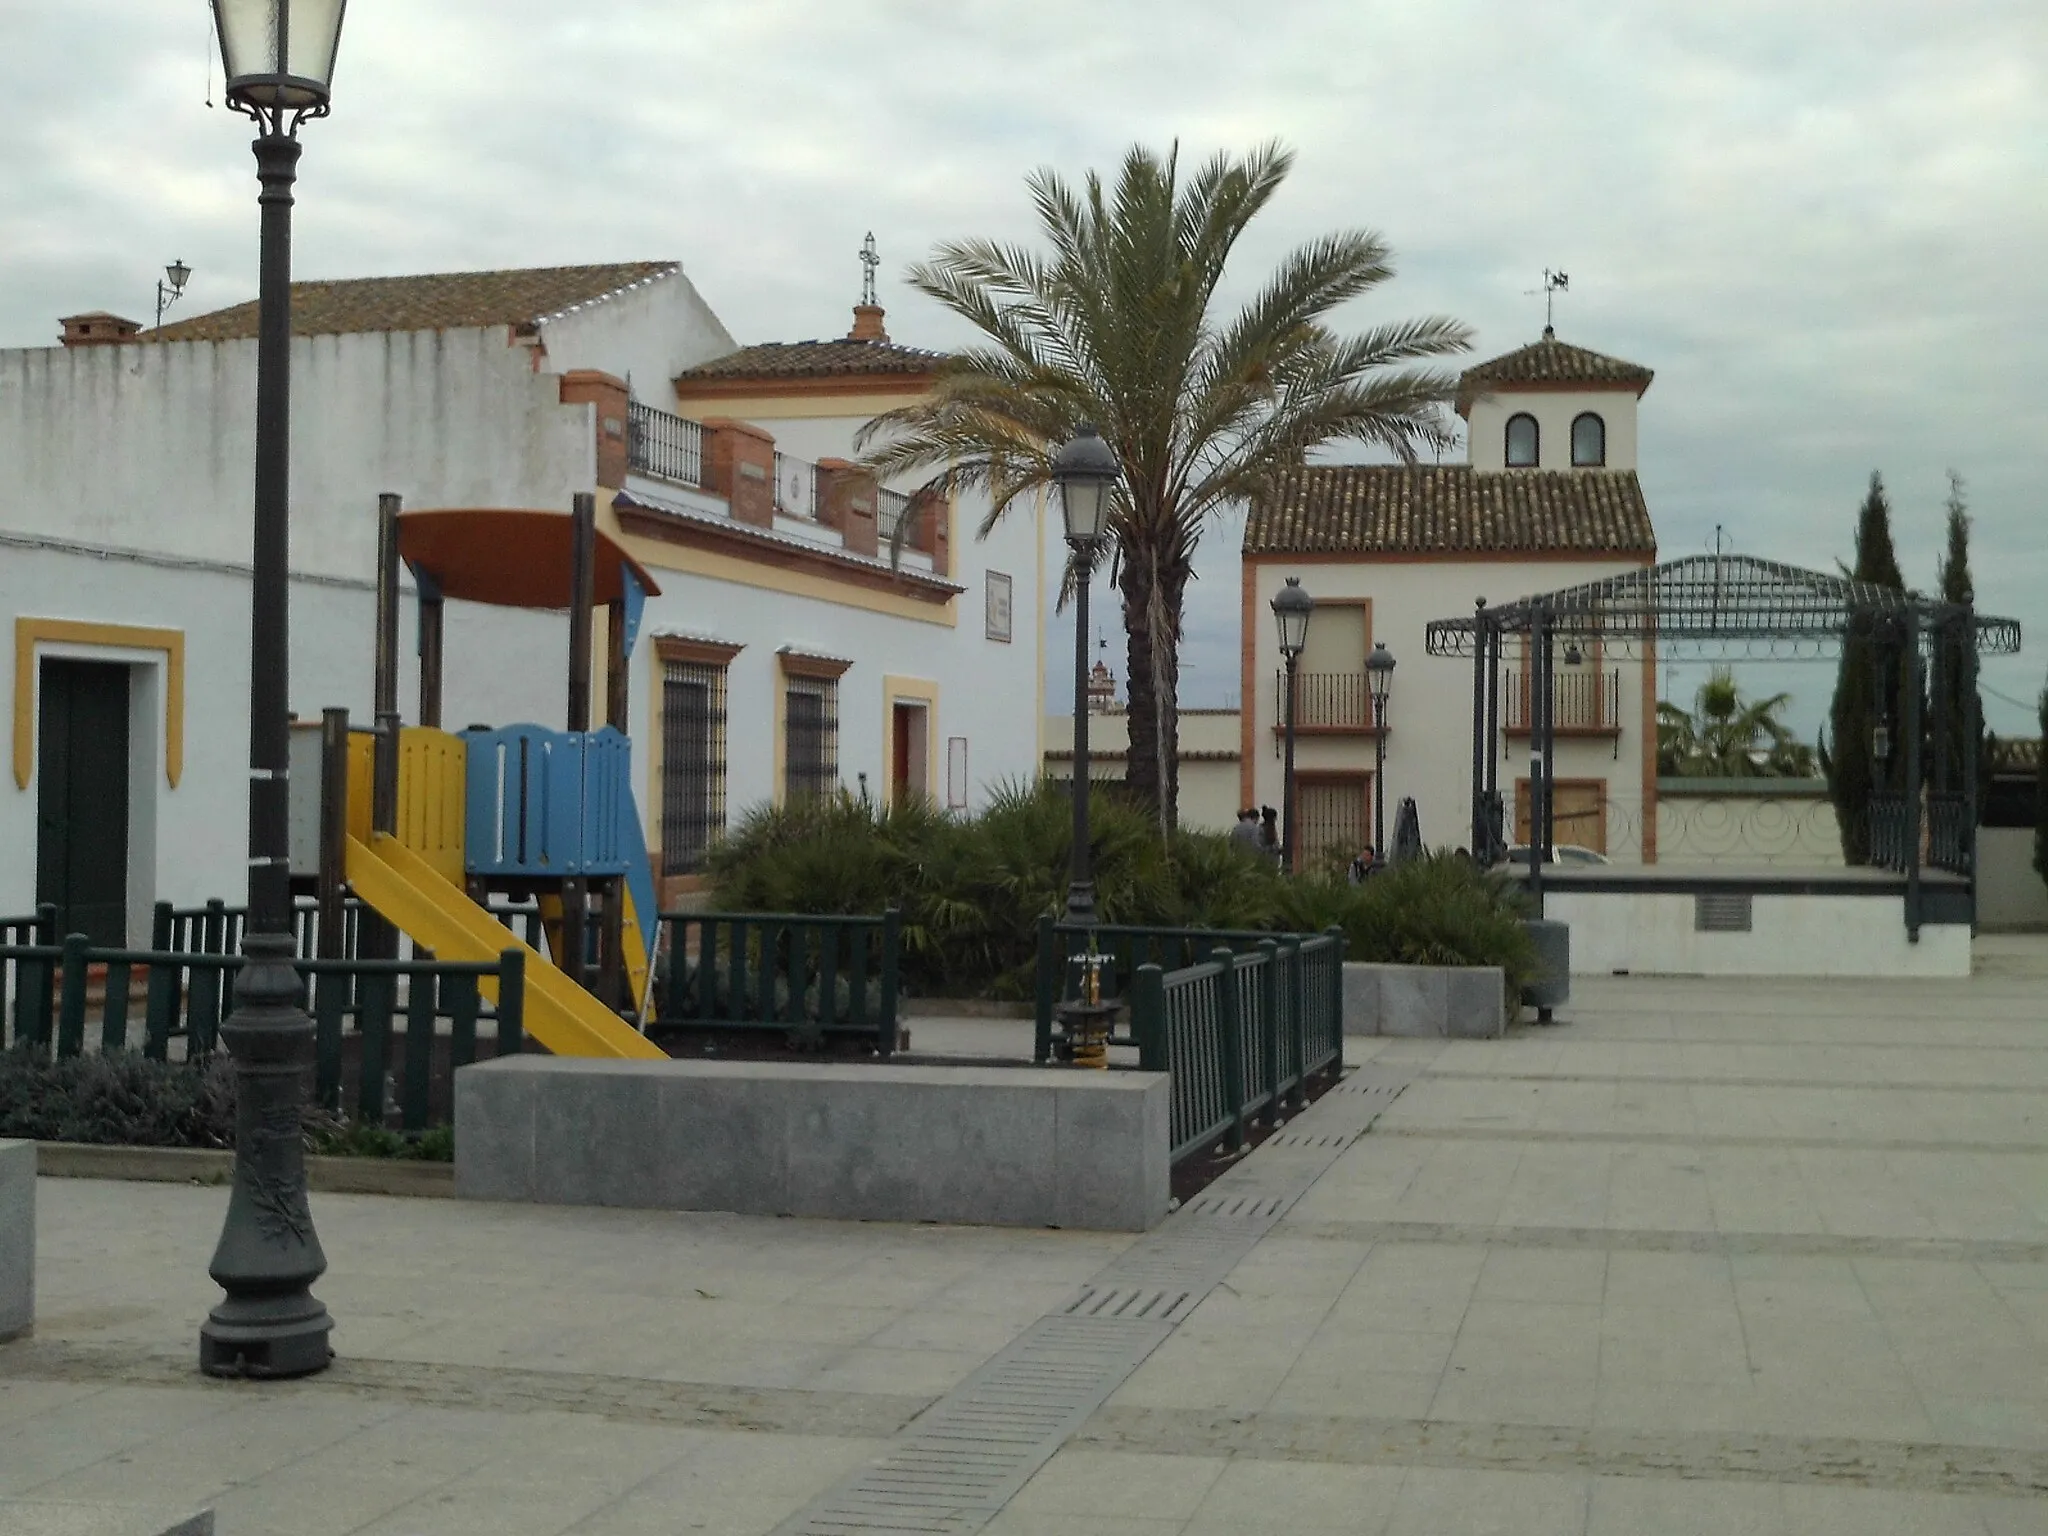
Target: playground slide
[(409, 892)]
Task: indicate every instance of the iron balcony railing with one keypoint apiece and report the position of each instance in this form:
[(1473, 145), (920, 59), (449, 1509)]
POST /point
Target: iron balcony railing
[(1583, 699), (663, 445), (891, 508), (1330, 701), (796, 487)]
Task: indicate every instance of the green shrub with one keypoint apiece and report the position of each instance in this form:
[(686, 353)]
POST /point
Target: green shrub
[(119, 1100), (972, 889)]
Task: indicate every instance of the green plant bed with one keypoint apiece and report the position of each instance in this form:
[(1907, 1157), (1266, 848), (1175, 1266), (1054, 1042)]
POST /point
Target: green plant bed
[(971, 889), (126, 1100)]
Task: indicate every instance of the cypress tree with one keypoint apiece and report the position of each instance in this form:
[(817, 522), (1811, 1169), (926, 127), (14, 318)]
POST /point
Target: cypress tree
[(1959, 588), (1860, 703)]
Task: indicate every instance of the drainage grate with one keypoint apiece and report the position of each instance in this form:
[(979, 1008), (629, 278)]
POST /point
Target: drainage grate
[(1721, 912), (963, 1458)]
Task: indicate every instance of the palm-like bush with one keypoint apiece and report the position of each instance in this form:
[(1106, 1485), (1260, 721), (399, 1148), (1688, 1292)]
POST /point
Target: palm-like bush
[(1118, 323), (971, 890), (1728, 736)]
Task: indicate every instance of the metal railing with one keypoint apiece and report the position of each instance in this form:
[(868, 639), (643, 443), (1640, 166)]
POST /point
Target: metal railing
[(1240, 1035), (1324, 701), (801, 974), (1583, 699), (186, 996), (1949, 840), (891, 508), (796, 487), (664, 445), (1888, 841)]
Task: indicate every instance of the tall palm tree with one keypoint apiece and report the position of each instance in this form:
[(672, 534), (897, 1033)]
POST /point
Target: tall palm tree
[(1727, 736), (1118, 323)]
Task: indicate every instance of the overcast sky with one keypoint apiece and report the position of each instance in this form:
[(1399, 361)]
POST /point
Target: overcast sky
[(1822, 223)]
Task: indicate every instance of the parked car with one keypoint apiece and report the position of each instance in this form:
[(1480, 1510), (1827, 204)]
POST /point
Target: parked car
[(1560, 853)]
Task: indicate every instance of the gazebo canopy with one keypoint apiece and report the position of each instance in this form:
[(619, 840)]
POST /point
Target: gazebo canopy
[(1725, 603), (517, 558)]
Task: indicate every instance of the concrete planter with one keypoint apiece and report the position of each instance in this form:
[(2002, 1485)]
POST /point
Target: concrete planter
[(17, 1238), (992, 1146), (1446, 1002)]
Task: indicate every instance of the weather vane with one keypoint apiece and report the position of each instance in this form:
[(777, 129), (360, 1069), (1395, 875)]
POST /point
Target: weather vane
[(1554, 283), (869, 260)]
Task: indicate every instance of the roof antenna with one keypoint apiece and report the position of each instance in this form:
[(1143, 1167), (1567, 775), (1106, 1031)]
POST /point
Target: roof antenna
[(1554, 283)]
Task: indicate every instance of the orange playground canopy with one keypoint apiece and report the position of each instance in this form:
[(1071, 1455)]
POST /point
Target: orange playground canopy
[(514, 557)]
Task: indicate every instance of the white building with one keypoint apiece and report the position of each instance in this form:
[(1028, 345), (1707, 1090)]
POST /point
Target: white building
[(126, 468), (1550, 499)]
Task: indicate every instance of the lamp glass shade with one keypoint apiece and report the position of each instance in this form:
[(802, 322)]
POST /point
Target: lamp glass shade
[(1291, 609), (1881, 742), (1379, 671), (278, 53), (1086, 471), (179, 274)]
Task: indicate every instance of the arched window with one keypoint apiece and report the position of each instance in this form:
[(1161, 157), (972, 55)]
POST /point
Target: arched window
[(1589, 441), (1522, 442)]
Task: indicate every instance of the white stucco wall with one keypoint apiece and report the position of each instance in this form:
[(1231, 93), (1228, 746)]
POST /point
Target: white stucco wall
[(502, 665), (1554, 410), (1429, 716), (1647, 933), (646, 334), (1756, 828), (153, 447)]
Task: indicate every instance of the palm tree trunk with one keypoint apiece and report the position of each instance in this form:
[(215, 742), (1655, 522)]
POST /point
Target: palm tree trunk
[(1153, 590)]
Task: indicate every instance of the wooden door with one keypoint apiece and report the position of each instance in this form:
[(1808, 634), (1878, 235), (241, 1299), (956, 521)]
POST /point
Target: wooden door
[(82, 798), (1335, 816), (1579, 815)]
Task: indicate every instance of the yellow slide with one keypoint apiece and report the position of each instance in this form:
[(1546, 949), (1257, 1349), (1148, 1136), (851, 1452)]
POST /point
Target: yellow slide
[(634, 942), (408, 891)]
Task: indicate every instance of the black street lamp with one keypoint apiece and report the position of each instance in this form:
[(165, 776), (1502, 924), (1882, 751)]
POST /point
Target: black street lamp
[(1087, 473), (171, 287), (1291, 609), (1379, 674), (278, 57)]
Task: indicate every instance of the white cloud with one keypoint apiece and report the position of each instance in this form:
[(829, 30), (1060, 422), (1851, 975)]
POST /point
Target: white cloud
[(1820, 222)]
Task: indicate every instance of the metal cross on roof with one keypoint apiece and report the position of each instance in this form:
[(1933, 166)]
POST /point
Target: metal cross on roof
[(870, 261)]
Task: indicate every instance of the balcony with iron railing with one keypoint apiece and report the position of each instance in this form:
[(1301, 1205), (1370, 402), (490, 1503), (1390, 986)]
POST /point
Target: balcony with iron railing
[(1585, 701), (664, 445), (1325, 703), (796, 488)]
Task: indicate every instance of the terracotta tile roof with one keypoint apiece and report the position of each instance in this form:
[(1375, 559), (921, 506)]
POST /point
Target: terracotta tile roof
[(1450, 509), (1549, 362), (814, 359), (433, 301)]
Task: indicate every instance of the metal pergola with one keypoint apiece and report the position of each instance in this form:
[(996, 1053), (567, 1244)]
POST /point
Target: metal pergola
[(1727, 606)]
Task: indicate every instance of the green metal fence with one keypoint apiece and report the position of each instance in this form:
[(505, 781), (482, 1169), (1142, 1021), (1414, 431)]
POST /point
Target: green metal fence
[(356, 1008), (1241, 1033), (805, 975), (1127, 948)]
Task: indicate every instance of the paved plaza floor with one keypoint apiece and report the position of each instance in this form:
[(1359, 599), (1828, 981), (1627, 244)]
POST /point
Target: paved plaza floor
[(1707, 1257)]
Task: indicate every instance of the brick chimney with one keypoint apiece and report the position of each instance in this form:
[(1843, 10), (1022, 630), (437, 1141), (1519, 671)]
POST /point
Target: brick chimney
[(867, 324), (97, 328)]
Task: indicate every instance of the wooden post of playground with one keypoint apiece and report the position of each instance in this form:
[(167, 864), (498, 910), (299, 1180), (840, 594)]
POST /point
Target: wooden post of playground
[(612, 944), (582, 600), (333, 936), (430, 648), (380, 940)]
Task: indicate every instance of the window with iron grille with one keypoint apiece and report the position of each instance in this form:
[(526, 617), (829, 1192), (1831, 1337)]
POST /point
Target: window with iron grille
[(810, 731), (692, 763)]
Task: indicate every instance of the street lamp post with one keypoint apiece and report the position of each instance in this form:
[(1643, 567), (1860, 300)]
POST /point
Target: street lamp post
[(1292, 607), (171, 287), (279, 60), (1379, 673), (1086, 471)]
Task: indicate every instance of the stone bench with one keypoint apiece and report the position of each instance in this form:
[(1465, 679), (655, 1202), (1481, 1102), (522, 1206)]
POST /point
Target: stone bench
[(998, 1146), (1448, 1002), (17, 1238)]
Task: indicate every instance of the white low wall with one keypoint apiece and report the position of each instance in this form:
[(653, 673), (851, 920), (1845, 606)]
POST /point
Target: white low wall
[(2011, 894), (1652, 933)]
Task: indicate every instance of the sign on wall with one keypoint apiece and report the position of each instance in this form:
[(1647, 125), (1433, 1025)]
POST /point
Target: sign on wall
[(956, 773), (997, 605)]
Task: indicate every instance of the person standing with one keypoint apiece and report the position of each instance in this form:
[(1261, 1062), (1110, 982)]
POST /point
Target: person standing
[(1245, 835), (1363, 866), (1269, 834)]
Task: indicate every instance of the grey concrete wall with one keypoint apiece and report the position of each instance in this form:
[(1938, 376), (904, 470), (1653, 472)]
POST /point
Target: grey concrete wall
[(1432, 1001), (2011, 894), (17, 1237), (987, 1145)]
